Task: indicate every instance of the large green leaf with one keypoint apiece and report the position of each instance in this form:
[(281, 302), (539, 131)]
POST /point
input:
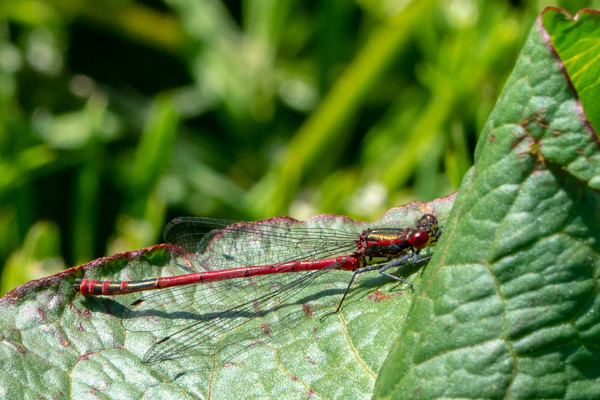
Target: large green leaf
[(508, 308), (60, 343)]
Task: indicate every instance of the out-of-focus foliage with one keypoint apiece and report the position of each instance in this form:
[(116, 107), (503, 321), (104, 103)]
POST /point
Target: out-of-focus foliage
[(118, 115)]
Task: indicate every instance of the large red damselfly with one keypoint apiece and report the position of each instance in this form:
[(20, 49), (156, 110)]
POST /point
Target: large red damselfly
[(250, 275)]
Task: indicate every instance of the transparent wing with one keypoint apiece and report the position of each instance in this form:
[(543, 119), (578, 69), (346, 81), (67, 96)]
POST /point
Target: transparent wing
[(194, 317), (221, 244)]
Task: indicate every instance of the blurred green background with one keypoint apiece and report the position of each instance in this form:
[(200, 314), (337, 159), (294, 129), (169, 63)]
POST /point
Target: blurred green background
[(116, 116)]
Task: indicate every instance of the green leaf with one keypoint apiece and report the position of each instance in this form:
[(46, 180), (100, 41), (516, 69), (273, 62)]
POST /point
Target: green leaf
[(577, 42), (57, 343), (508, 308)]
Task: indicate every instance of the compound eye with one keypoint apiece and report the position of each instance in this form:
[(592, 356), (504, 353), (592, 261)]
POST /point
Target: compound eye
[(419, 239), (427, 222)]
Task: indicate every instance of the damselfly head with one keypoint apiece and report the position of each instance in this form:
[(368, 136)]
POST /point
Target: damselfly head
[(429, 224)]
